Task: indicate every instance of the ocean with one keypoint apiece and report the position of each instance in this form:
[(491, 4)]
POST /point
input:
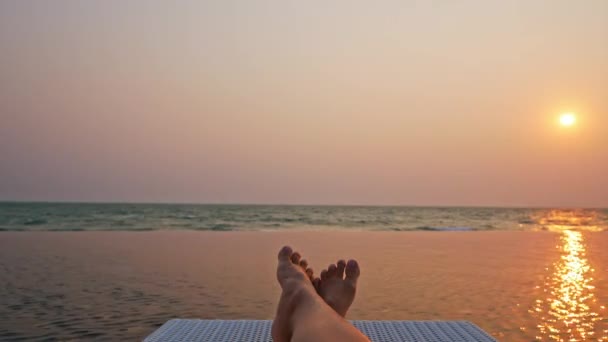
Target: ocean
[(146, 217), (116, 272)]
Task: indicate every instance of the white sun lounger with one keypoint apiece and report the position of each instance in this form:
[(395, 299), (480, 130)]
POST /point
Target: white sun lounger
[(183, 330)]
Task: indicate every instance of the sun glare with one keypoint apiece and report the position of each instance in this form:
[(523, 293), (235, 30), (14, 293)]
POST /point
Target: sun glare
[(567, 119)]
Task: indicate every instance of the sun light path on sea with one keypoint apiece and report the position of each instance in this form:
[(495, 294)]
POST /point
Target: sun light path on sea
[(567, 309)]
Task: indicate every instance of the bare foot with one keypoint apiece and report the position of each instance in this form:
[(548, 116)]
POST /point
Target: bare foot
[(302, 314), (296, 281), (335, 289)]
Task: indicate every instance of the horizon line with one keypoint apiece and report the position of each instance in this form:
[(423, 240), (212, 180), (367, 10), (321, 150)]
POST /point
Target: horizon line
[(261, 204)]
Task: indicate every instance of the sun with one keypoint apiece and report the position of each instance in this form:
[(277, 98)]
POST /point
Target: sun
[(567, 119)]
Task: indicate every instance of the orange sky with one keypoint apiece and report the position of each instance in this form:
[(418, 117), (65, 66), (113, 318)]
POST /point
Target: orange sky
[(348, 102)]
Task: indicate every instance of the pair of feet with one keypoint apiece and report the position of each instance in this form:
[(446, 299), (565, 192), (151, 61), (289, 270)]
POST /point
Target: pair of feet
[(336, 288)]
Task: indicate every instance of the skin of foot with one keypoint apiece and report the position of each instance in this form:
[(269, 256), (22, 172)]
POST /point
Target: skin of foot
[(302, 314), (338, 285), (296, 291)]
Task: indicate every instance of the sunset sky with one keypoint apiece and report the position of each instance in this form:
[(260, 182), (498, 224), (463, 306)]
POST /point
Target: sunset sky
[(305, 102)]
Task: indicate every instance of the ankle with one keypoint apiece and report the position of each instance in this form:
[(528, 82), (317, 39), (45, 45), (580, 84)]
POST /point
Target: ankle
[(304, 300)]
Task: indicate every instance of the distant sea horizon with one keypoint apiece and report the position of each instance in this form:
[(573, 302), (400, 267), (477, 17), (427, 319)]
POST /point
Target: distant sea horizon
[(147, 216), (303, 204)]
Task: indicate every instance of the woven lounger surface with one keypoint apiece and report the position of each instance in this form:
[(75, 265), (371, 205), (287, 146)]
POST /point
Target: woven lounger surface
[(378, 331)]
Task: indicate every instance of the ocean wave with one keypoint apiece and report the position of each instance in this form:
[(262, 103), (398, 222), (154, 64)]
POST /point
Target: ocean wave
[(445, 229), (220, 227), (140, 217), (35, 222)]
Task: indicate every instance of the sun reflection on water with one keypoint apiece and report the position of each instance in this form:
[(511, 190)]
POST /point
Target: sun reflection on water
[(578, 220), (569, 310)]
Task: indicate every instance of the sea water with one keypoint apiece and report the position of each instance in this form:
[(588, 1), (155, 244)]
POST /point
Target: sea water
[(144, 217)]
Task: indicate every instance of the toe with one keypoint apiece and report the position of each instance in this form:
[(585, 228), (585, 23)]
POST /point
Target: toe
[(352, 271), (332, 271), (285, 253), (304, 264), (310, 273), (341, 267), (324, 275), (295, 258)]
